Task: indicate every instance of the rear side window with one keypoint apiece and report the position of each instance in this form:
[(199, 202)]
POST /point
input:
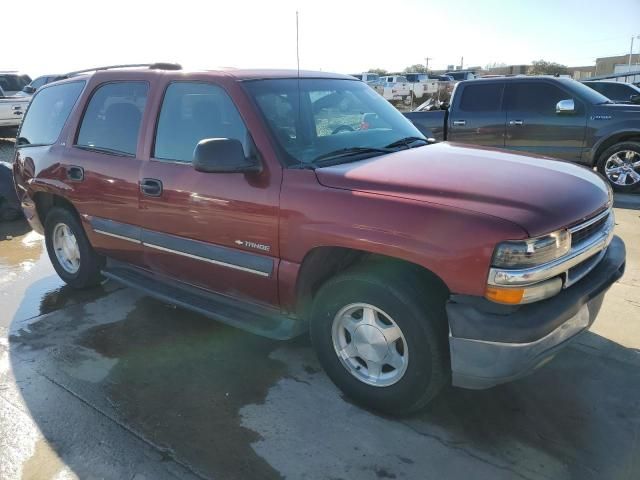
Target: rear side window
[(192, 112), (48, 112), (540, 98), (111, 122), (617, 92), (481, 97)]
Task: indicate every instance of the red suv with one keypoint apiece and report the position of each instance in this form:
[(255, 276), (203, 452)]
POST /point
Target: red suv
[(276, 202)]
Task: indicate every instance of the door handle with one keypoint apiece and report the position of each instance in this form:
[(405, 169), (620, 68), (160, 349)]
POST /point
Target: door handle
[(151, 187), (516, 122), (459, 123), (75, 174)]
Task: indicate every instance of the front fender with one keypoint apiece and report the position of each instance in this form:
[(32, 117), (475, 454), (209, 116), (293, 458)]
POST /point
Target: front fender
[(454, 244)]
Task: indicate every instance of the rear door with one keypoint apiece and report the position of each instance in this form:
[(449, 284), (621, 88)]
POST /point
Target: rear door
[(102, 167), (217, 231), (533, 124), (477, 116)]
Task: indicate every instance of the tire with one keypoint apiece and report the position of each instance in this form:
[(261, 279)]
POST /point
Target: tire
[(417, 307), (606, 163), (7, 212), (90, 263)]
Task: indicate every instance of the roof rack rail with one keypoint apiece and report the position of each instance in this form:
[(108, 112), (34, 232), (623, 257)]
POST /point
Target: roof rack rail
[(151, 66)]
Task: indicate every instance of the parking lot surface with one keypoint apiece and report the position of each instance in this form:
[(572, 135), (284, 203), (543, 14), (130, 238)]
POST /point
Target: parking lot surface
[(108, 383)]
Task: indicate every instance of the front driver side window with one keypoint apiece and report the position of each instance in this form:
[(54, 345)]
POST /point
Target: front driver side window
[(191, 112)]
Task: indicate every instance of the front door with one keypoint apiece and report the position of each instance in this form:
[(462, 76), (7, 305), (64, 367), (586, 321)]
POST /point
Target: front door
[(477, 115), (216, 231), (534, 126)]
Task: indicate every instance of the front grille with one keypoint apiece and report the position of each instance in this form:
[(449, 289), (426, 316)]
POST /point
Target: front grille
[(579, 235)]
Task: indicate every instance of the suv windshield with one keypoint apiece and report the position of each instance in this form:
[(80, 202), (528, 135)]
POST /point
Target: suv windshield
[(313, 118)]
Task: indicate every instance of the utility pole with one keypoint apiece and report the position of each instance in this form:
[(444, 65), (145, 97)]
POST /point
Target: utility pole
[(462, 63), (631, 50), (426, 63)]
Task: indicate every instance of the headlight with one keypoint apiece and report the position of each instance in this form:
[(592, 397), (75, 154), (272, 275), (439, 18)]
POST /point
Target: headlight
[(533, 251)]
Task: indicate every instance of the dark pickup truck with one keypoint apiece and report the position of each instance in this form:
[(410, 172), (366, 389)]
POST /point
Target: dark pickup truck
[(556, 117)]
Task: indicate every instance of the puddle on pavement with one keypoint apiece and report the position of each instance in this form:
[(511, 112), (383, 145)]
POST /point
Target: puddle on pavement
[(29, 286), (44, 463), (180, 381)]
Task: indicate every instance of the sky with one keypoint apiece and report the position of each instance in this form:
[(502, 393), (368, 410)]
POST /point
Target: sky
[(344, 36)]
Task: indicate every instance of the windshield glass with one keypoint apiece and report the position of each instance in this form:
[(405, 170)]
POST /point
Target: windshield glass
[(314, 117)]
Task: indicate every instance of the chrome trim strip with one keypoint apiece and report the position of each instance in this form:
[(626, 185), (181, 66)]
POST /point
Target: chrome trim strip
[(595, 219), (121, 237), (209, 260), (532, 275)]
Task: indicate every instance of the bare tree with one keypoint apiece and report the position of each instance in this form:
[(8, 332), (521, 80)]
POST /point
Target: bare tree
[(416, 68), (379, 71), (542, 67)]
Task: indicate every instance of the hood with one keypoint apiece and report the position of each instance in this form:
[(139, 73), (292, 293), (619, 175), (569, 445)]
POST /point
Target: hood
[(537, 193), (630, 109)]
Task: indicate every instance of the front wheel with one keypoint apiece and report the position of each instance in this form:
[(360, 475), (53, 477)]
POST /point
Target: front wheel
[(380, 334), (620, 165), (69, 249)]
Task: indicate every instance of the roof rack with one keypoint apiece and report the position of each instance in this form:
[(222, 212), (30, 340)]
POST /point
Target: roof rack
[(151, 66)]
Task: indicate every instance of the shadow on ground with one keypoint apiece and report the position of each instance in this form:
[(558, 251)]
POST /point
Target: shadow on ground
[(220, 403)]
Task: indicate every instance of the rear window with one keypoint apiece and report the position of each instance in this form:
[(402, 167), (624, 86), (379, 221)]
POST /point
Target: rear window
[(112, 120), (48, 113), (481, 97)]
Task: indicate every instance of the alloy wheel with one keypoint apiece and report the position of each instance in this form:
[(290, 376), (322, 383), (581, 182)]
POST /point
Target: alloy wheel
[(623, 168), (66, 248), (370, 344)]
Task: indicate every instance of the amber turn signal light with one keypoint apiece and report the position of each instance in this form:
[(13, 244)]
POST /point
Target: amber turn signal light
[(511, 296)]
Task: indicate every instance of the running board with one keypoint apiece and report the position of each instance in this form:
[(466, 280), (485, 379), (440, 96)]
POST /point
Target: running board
[(263, 321)]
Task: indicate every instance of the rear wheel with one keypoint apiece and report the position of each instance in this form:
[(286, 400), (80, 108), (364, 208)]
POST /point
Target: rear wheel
[(620, 165), (69, 250), (380, 334)]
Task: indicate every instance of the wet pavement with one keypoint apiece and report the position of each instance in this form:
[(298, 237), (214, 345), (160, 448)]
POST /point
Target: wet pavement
[(108, 383)]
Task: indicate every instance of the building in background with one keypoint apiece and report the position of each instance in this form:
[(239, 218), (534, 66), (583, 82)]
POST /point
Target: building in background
[(619, 64), (509, 70), (582, 73)]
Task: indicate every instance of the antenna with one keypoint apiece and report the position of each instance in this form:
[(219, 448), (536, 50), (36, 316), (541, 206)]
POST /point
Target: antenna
[(298, 122), (297, 45)]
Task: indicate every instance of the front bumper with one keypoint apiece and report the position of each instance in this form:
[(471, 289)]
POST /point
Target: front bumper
[(492, 344)]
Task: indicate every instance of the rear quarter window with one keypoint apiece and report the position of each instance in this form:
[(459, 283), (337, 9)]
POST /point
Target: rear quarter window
[(481, 97), (48, 112), (111, 122)]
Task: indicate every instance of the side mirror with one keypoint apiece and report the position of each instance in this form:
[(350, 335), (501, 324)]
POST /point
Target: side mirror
[(565, 106), (222, 155), (29, 89), (635, 99), (444, 106)]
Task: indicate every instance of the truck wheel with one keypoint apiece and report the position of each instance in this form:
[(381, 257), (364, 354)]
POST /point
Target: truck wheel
[(70, 252), (382, 337), (7, 212), (620, 165)]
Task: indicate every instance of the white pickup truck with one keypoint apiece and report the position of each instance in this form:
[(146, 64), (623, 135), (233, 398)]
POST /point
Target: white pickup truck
[(394, 87), (12, 110)]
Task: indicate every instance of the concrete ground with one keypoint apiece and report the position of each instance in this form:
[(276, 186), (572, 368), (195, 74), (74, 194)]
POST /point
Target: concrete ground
[(109, 384)]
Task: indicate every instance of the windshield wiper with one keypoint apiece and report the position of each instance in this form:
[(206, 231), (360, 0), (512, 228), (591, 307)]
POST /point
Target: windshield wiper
[(347, 152), (406, 141)]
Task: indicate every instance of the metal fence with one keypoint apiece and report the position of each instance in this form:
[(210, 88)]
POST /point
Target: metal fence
[(627, 77)]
